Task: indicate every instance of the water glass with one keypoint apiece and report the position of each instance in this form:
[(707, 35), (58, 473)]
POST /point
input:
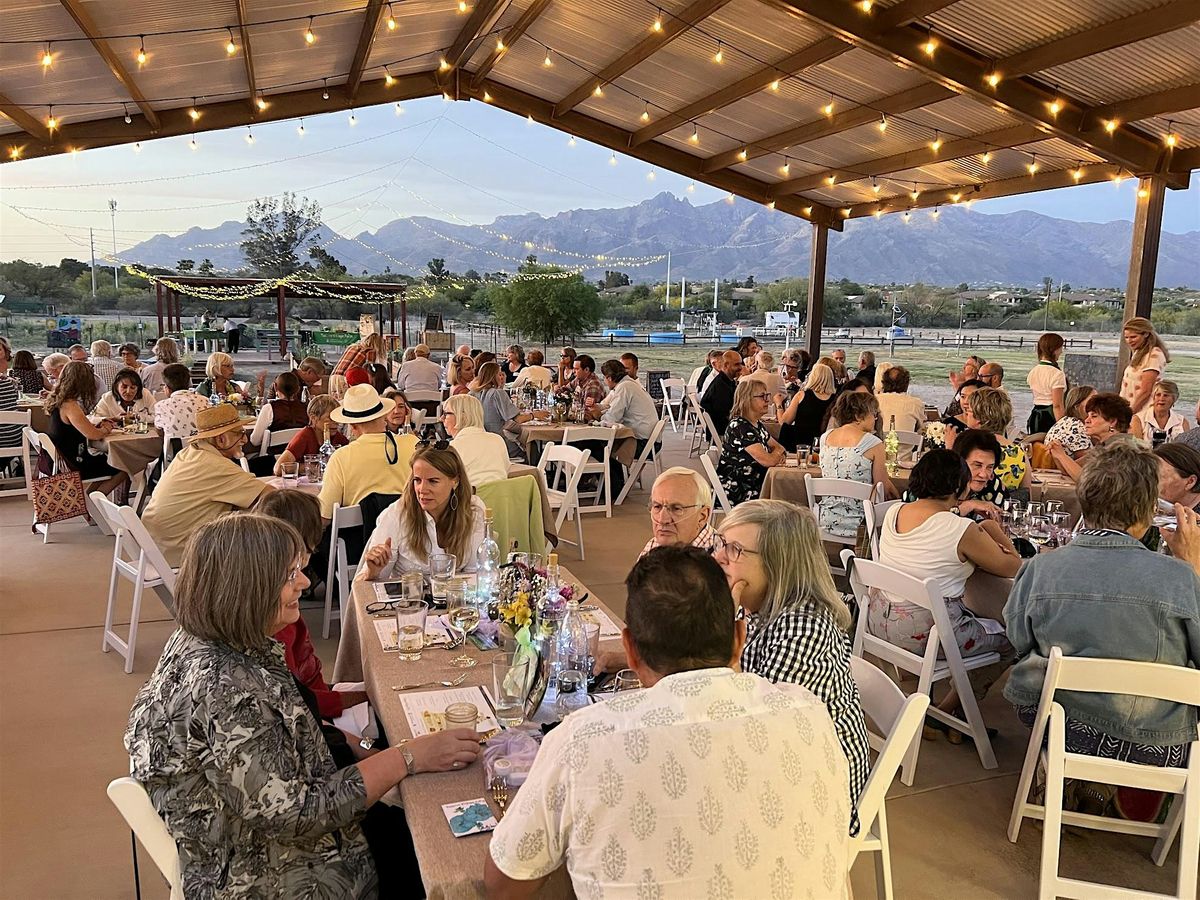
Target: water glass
[(1036, 509), (510, 683), (1039, 530), (1053, 506), (804, 454), (572, 692), (461, 715), (592, 634), (413, 586), (410, 628), (441, 570), (626, 680), (291, 473), (312, 468)]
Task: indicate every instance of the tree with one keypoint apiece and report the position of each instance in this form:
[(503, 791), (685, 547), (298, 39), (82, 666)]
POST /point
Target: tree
[(276, 228), (1047, 285), (749, 281), (437, 270), (184, 266), (72, 268), (206, 267), (329, 268), (614, 279), (547, 308)]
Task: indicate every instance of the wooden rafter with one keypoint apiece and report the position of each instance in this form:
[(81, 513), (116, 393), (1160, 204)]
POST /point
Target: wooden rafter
[(247, 54), (24, 119), (511, 36), (482, 19), (617, 139), (959, 69), (366, 38), (911, 159), (814, 55), (673, 26), (1185, 160), (87, 25), (913, 98), (1135, 108)]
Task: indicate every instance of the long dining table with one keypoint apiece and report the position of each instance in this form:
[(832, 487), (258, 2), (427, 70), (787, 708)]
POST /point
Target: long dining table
[(534, 434), (451, 868)]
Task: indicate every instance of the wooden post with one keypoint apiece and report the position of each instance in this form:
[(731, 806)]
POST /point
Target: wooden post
[(404, 323), (158, 305), (392, 313), (282, 313), (1143, 256), (816, 288)]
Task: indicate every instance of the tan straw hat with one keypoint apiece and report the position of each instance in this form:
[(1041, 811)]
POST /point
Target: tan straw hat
[(214, 420), (361, 403)]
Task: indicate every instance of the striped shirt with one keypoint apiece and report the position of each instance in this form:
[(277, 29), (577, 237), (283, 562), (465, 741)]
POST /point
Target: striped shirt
[(804, 646)]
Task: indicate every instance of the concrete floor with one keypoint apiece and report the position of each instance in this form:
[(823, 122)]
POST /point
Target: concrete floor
[(64, 706)]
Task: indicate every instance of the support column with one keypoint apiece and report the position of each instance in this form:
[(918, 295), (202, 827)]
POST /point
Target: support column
[(158, 305), (1143, 256), (404, 322), (816, 288), (282, 312)]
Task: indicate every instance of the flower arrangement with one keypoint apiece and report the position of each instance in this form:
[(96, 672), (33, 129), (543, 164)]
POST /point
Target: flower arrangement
[(235, 399), (520, 588), (935, 435)]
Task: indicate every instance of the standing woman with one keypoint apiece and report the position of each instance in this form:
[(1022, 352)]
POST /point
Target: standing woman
[(1049, 385), (1148, 358), (128, 395), (801, 422), (70, 429)]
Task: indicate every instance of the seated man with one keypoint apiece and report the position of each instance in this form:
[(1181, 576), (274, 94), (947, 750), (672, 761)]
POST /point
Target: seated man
[(202, 482), (681, 505), (701, 375), (535, 374), (707, 783), (717, 399), (175, 414), (420, 373), (630, 362), (586, 387), (626, 403)]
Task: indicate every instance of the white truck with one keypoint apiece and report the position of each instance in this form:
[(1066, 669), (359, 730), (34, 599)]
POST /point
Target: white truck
[(777, 321)]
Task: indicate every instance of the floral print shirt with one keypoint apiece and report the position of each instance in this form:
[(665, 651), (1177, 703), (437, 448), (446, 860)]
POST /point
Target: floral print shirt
[(1069, 432), (1012, 466), (238, 769), (740, 475)]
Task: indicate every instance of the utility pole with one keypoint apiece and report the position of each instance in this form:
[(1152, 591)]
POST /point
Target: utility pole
[(92, 239), (682, 300), (668, 303), (112, 210)]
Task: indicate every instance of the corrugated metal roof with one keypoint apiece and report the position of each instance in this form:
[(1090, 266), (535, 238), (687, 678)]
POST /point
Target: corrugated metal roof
[(1152, 65)]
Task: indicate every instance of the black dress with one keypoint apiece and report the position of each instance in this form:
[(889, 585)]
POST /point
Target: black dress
[(72, 447), (806, 427), (740, 475)]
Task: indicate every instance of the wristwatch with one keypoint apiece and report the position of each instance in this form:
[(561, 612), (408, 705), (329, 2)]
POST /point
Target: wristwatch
[(410, 765), (366, 743), (956, 510)]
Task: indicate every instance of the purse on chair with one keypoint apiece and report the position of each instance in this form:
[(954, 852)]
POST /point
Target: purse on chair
[(58, 497)]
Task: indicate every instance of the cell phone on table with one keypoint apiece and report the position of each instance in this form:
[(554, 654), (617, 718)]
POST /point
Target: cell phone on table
[(394, 589)]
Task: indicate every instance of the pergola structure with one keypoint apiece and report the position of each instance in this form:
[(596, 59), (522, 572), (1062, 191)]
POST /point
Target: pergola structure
[(825, 109)]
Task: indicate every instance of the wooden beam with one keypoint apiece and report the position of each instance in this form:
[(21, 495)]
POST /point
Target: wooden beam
[(1082, 44), (913, 98), (912, 159), (818, 256), (514, 34), (88, 26), (661, 155), (1136, 108), (481, 20), (957, 68), (216, 116), (366, 38), (24, 119), (247, 55), (1185, 160), (1143, 252), (673, 26)]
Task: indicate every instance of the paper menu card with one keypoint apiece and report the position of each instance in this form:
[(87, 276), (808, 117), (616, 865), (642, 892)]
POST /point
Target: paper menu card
[(608, 628), (425, 710), (385, 629), (469, 817)]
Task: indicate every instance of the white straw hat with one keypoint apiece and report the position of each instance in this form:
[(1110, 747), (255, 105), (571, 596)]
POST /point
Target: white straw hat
[(362, 403)]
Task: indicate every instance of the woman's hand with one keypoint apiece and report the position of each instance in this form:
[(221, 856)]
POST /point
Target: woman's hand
[(444, 751), (376, 559), (1057, 450), (612, 659), (1184, 540), (980, 508), (106, 426)]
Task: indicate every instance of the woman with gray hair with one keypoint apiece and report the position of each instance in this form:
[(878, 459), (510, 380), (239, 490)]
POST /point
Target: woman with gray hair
[(219, 382), (1106, 596), (778, 573), (233, 759), (484, 455), (749, 450), (166, 353)]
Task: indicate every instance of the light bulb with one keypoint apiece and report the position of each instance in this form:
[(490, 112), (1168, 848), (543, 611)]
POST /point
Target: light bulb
[(770, 204), (1033, 165), (650, 175), (47, 59), (192, 145), (719, 56), (141, 54), (831, 180), (399, 110), (955, 197), (985, 157), (571, 141), (729, 198), (808, 210), (529, 118), (547, 62), (907, 215), (775, 85), (14, 152), (883, 122), (695, 138), (353, 120), (875, 187), (230, 46), (828, 107), (1078, 173), (249, 136), (691, 187), (930, 46), (645, 117), (261, 103), (446, 98), (391, 21), (1143, 193), (786, 168), (936, 212), (599, 91), (865, 5), (443, 66), (137, 147), (1172, 138), (487, 97), (612, 158), (51, 121), (309, 37), (878, 213), (1111, 125), (742, 154), (1055, 107), (324, 89), (462, 6), (193, 112), (936, 144), (845, 212), (915, 194), (300, 129), (128, 117), (993, 79), (389, 79), (657, 26), (499, 45)]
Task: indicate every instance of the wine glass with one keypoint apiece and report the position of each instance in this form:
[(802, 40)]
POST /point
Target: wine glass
[(1035, 509), (1039, 530), (1053, 506)]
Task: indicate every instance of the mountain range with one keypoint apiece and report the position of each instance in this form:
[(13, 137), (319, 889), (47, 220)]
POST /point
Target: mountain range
[(734, 240)]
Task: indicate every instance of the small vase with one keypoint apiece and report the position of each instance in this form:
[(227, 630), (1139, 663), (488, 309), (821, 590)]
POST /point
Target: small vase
[(506, 637)]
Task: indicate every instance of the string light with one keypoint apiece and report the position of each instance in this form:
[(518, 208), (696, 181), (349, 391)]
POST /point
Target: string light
[(462, 6), (400, 108), (51, 121), (828, 107), (930, 45), (719, 56), (141, 54), (192, 145), (936, 212), (309, 37), (695, 138), (324, 88), (831, 180), (193, 112), (388, 78), (865, 5), (875, 186), (985, 157), (1110, 125), (47, 60), (650, 175), (353, 120), (1171, 138), (487, 97), (1143, 193), (729, 198), (443, 65), (1033, 164), (300, 129), (954, 198), (808, 210), (1078, 173), (529, 118), (249, 135), (612, 158), (261, 103), (14, 152), (128, 117), (1119, 177), (916, 192), (878, 213), (992, 78), (845, 212), (230, 46), (743, 155), (547, 62), (936, 144), (656, 27), (775, 87), (391, 21), (499, 45), (137, 147), (446, 98), (691, 188), (571, 141), (786, 168), (770, 204), (883, 123), (645, 117), (907, 215), (1055, 106), (599, 90)]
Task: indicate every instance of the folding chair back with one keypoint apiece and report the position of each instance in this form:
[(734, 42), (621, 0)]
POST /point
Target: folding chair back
[(717, 440), (708, 464), (19, 450), (875, 513), (841, 488), (572, 462), (273, 440), (340, 570), (598, 465), (133, 803), (673, 397), (648, 454)]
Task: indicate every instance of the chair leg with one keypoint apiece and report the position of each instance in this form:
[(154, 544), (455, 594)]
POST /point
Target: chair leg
[(1052, 823), (983, 744), (134, 615), (883, 859), (1170, 828), (112, 602), (579, 532)]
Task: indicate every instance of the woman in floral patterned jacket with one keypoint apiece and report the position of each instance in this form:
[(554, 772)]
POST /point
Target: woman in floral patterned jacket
[(232, 758)]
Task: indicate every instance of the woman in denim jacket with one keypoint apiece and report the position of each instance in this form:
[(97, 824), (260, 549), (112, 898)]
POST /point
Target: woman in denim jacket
[(1106, 596)]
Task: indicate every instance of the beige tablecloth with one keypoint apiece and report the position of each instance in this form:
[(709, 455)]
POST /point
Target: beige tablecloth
[(450, 867), (38, 419), (530, 435), (131, 452)]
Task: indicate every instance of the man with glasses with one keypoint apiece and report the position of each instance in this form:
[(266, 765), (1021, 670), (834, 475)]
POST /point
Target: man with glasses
[(992, 375), (680, 511)]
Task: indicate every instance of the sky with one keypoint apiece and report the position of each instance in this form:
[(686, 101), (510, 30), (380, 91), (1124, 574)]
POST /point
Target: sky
[(456, 161)]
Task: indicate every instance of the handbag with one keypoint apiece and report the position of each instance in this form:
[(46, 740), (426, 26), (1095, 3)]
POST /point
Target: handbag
[(58, 497)]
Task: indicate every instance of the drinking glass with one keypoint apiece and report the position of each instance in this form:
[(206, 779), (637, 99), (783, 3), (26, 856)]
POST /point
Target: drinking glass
[(413, 586), (410, 628), (592, 633), (510, 681), (461, 715), (1036, 509), (460, 605), (291, 474), (572, 692), (626, 680), (312, 468), (804, 453), (1053, 506), (1039, 530), (441, 570), (1059, 520)]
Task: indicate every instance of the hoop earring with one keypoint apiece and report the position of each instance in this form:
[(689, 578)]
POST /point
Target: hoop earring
[(453, 502)]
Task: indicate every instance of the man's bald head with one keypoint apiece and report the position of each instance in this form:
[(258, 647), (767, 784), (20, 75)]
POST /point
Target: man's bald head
[(731, 363)]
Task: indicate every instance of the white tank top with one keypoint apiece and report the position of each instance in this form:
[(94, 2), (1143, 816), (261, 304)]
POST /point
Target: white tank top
[(928, 551)]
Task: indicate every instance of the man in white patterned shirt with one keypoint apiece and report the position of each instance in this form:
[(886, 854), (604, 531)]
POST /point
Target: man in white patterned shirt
[(175, 415), (681, 506), (707, 783)]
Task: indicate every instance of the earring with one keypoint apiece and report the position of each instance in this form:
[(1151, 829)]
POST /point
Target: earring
[(453, 502)]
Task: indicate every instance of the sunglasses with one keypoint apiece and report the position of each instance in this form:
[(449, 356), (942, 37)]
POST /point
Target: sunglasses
[(436, 444)]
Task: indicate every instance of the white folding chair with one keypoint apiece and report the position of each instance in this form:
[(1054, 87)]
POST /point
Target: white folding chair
[(137, 559), (875, 513), (41, 442), (673, 396), (909, 441), (648, 454), (426, 397), (340, 571), (571, 461), (898, 718), (695, 415), (841, 488), (19, 450), (709, 465), (277, 439), (596, 466), (1176, 684), (867, 575), (133, 803), (716, 439)]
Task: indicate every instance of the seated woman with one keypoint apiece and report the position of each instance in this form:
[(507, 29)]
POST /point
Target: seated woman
[(749, 450), (484, 455), (26, 373), (127, 397), (380, 378), (991, 410), (852, 451), (500, 414), (896, 402), (69, 428), (1160, 421), (129, 357), (775, 563), (981, 452), (1179, 474), (438, 513), (400, 415), (459, 373), (232, 758), (929, 539), (804, 417), (1069, 430), (1106, 596), (308, 442), (285, 412), (1105, 416), (219, 380)]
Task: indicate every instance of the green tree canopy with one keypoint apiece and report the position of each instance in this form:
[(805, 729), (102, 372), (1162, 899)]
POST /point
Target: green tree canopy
[(547, 308), (276, 228), (184, 266)]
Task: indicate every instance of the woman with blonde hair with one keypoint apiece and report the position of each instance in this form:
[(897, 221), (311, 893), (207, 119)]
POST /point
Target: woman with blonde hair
[(485, 455), (1049, 385), (1069, 431), (1160, 422), (778, 573), (70, 429), (801, 422), (1148, 358), (748, 449), (459, 374), (219, 382), (437, 513), (500, 414), (991, 410)]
